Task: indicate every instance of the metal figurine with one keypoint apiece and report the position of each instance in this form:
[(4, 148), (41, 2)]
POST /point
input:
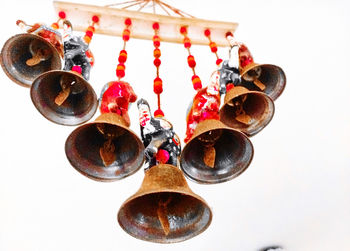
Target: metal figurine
[(205, 105), (76, 51), (162, 145), (229, 71)]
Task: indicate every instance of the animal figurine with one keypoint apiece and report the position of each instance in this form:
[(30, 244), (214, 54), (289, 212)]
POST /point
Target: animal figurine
[(35, 47), (76, 51), (162, 145), (205, 105), (116, 97)]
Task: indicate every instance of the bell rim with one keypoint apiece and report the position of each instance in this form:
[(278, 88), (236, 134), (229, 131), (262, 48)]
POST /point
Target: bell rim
[(28, 35), (79, 122), (97, 178), (225, 179), (259, 93), (168, 241)]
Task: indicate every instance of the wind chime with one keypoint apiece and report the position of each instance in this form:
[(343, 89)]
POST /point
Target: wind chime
[(217, 149)]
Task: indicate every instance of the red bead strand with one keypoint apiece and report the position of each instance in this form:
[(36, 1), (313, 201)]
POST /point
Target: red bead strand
[(157, 83), (196, 81), (91, 29), (123, 55), (61, 16), (213, 46)]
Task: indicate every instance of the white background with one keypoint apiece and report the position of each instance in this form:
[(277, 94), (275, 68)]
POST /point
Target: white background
[(296, 192)]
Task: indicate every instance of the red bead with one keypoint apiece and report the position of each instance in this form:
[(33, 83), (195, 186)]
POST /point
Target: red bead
[(127, 21), (197, 83), (91, 28), (183, 30), (187, 42), (89, 34), (62, 14), (156, 43), (191, 62), (95, 19), (123, 55), (213, 47), (120, 70), (158, 113), (155, 26), (76, 68), (229, 33), (207, 32), (126, 34), (218, 61), (157, 62), (229, 86), (162, 156), (157, 53), (157, 86)]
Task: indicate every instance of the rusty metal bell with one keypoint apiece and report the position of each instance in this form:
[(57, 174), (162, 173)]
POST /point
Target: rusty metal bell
[(216, 153), (247, 111), (106, 149), (20, 49), (267, 78), (164, 209), (64, 97)]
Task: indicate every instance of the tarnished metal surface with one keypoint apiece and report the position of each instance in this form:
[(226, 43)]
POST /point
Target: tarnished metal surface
[(84, 143), (164, 209), (80, 105), (234, 152), (256, 105), (272, 76), (15, 53)]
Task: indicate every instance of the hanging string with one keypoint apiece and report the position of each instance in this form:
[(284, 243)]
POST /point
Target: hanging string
[(123, 55), (61, 17), (213, 46), (196, 81), (157, 83)]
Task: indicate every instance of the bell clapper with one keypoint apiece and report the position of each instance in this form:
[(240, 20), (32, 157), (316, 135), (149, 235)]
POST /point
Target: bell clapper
[(40, 55), (107, 152), (209, 156), (259, 84), (241, 115), (66, 83), (162, 213)]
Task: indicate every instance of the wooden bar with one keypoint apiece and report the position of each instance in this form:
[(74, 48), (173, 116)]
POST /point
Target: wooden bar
[(112, 23)]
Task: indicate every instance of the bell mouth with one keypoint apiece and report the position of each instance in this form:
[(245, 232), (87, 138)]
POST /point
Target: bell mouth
[(16, 52), (186, 215), (256, 106), (233, 154), (83, 147), (272, 76), (79, 107)]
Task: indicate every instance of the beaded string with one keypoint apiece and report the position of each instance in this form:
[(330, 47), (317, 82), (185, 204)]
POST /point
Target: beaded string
[(213, 46), (61, 16), (196, 81), (123, 55), (91, 29), (157, 83)]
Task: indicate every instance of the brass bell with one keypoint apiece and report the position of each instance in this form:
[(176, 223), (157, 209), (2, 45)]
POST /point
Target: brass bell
[(247, 111), (164, 209), (216, 153), (25, 56), (106, 149), (64, 97), (267, 78)]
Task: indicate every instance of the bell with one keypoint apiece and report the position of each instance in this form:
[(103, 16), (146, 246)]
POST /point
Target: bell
[(164, 209), (105, 150), (267, 78), (247, 111), (216, 153), (25, 56), (64, 97)]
